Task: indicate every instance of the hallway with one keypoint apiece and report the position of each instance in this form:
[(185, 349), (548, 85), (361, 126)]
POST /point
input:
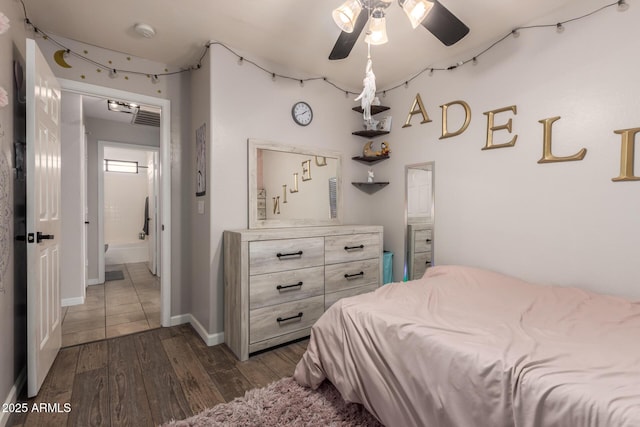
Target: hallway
[(118, 307)]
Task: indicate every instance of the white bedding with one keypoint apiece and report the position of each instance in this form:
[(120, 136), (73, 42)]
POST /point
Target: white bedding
[(468, 347)]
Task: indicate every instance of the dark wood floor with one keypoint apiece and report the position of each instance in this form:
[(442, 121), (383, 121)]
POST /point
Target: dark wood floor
[(150, 378)]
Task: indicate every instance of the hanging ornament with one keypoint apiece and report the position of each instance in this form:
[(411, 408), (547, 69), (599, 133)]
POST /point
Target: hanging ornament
[(368, 93)]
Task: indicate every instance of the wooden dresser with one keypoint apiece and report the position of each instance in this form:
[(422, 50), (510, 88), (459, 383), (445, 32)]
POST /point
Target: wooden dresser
[(420, 249), (279, 281)]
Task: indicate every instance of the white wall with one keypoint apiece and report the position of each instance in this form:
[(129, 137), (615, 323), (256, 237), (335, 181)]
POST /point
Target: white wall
[(199, 249), (246, 103), (562, 223), (72, 282)]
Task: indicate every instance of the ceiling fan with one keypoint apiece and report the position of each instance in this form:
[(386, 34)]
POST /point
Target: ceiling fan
[(351, 18)]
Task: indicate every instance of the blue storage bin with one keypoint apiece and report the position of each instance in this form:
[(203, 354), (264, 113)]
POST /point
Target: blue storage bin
[(387, 267)]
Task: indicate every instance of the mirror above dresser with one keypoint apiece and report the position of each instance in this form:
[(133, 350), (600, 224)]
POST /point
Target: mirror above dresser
[(293, 186)]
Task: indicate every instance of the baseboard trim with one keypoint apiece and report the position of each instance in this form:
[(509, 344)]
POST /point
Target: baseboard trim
[(180, 319), (13, 396), (66, 302), (209, 339), (91, 282)]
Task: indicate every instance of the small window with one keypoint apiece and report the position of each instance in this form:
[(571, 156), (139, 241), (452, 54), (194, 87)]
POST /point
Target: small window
[(123, 166)]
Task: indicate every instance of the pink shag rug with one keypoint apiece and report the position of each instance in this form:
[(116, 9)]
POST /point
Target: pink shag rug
[(284, 403)]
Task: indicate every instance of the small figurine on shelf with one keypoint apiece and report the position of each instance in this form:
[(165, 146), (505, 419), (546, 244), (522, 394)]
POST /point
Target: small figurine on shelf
[(384, 149), (367, 151), (370, 176)]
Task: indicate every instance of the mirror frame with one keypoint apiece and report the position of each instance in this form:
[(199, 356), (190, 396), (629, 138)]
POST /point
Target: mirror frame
[(256, 144), (432, 167)]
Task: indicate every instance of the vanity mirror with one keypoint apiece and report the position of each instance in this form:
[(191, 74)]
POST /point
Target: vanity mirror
[(419, 215), (293, 186)]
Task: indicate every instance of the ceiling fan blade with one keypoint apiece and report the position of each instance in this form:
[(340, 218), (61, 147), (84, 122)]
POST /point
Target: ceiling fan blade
[(346, 41), (445, 25)]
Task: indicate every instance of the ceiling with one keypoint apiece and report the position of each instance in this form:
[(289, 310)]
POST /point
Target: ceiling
[(292, 37)]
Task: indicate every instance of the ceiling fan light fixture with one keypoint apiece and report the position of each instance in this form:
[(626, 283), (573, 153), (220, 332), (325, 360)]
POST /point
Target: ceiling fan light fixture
[(416, 10), (345, 15), (377, 33)]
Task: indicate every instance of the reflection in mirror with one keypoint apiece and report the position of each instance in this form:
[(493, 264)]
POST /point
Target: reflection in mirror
[(419, 215), (293, 186)]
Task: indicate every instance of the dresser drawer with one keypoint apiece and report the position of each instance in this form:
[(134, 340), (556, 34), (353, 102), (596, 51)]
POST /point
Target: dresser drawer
[(423, 240), (352, 275), (421, 261), (352, 247), (269, 322), (276, 288), (331, 298), (269, 256)]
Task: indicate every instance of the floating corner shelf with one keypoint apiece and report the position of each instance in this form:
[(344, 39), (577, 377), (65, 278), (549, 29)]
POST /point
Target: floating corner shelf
[(370, 187), (370, 160), (370, 133), (375, 109)]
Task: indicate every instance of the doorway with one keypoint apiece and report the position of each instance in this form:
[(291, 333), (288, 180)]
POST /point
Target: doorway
[(127, 225), (162, 157)]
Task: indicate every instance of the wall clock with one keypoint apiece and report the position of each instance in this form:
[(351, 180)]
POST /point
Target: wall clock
[(302, 113)]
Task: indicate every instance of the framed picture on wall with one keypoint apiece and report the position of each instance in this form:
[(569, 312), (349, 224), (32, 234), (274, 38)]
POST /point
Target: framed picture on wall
[(201, 160)]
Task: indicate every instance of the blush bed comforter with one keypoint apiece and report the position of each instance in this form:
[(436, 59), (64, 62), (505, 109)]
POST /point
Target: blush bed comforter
[(469, 347)]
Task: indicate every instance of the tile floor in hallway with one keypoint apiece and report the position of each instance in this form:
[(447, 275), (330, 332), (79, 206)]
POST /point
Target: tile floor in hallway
[(117, 307)]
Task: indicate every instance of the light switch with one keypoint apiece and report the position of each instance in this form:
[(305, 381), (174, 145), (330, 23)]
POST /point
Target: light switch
[(201, 207)]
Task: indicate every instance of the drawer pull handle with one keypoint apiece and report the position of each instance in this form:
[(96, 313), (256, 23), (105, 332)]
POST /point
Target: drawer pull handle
[(428, 262), (352, 276), (281, 287), (280, 255), (428, 240), (350, 248), (284, 319)]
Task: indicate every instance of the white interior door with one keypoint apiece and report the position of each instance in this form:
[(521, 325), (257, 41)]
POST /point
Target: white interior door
[(44, 323)]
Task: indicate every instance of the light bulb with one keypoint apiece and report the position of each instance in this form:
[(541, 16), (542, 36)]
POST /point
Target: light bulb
[(345, 15), (377, 33), (416, 10)]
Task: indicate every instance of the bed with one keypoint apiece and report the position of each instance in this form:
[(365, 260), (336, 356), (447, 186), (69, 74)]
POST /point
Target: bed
[(469, 347)]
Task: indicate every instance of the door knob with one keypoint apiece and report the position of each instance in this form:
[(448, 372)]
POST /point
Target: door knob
[(40, 237)]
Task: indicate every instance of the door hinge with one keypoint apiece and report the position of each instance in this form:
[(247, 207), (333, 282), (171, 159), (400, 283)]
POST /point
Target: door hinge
[(31, 238)]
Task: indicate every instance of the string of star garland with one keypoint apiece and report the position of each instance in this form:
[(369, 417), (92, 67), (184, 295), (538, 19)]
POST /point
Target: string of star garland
[(559, 27)]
